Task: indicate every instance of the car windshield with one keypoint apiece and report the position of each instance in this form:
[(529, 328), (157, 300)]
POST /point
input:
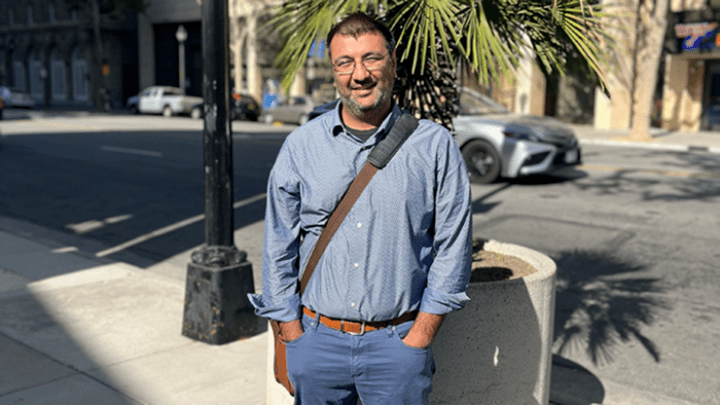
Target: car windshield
[(474, 103)]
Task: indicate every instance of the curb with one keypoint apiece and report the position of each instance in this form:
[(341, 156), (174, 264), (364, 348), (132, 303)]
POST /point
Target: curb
[(650, 145)]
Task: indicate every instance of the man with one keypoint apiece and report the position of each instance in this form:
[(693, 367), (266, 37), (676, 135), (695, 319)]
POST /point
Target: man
[(399, 262)]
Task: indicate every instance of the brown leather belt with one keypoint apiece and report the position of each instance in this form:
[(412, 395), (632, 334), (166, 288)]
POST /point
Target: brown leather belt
[(359, 328)]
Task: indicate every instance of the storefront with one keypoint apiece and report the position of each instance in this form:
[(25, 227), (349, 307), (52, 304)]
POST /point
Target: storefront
[(691, 96)]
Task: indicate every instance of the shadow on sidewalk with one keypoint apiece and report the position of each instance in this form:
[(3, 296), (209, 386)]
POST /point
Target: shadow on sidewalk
[(43, 363), (571, 383), (602, 303)]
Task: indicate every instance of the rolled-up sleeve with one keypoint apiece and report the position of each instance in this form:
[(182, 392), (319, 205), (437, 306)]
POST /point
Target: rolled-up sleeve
[(280, 299), (449, 273)]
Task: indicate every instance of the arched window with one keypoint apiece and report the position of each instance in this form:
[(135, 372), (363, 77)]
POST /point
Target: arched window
[(30, 15), (19, 82), (3, 63), (58, 76), (80, 81), (51, 12), (37, 73)]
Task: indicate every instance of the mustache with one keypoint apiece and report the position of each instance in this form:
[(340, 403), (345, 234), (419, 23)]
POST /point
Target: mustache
[(362, 83)]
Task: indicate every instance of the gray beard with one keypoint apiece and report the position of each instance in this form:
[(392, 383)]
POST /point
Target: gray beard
[(357, 110)]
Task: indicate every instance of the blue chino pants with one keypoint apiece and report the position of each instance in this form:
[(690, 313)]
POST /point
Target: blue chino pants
[(330, 367)]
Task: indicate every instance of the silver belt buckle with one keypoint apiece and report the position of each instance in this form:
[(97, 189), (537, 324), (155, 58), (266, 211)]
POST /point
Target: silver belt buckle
[(362, 329)]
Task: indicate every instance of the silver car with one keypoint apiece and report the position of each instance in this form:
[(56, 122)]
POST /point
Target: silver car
[(496, 143), (296, 111)]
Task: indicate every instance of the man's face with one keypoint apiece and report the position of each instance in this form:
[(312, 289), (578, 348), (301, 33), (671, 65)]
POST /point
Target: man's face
[(363, 90)]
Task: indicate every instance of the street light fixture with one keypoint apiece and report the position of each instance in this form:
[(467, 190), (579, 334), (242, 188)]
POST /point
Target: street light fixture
[(181, 35)]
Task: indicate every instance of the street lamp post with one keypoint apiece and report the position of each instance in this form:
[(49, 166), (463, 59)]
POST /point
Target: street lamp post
[(181, 36), (217, 309)]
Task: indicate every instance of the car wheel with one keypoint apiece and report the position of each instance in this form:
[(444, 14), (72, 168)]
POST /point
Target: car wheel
[(302, 119), (268, 119), (133, 109), (167, 111), (196, 113), (482, 161)]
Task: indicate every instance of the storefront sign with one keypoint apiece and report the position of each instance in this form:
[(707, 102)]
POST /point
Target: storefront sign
[(698, 36)]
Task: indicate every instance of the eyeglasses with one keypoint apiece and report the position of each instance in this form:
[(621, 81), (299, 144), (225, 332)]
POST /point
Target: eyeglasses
[(346, 66)]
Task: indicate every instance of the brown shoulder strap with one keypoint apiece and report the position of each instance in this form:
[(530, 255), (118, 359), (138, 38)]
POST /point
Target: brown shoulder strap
[(333, 223)]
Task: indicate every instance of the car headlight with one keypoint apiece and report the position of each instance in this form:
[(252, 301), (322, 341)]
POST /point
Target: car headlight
[(522, 136)]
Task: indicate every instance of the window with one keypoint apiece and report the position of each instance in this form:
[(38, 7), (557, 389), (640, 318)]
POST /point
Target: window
[(58, 77), (80, 76), (11, 17), (30, 15), (19, 76), (73, 15), (37, 81), (51, 12)]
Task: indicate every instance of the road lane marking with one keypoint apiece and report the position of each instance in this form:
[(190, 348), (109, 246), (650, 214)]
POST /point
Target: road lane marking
[(94, 224), (172, 227), (671, 173), (66, 249), (131, 151)]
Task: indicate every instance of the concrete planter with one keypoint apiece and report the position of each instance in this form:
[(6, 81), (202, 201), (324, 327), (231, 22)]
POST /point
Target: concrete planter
[(497, 350)]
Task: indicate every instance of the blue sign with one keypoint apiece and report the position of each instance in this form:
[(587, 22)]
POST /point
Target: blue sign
[(698, 36), (317, 49)]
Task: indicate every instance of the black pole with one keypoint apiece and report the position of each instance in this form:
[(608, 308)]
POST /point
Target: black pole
[(219, 277)]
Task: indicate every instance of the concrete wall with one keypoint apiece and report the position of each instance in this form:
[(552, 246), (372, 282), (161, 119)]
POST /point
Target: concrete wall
[(682, 93), (614, 112), (160, 12), (682, 5), (170, 11), (529, 97)]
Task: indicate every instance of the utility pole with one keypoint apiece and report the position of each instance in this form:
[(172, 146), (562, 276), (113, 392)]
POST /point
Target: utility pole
[(217, 309)]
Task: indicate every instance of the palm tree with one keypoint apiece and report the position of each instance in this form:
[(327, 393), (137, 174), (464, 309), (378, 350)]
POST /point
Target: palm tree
[(437, 37)]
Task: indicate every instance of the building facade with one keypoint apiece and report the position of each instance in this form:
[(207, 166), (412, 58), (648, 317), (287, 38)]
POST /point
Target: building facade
[(48, 48), (691, 93)]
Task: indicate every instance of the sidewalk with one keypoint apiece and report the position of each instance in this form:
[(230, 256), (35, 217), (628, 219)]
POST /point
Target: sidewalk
[(674, 140), (74, 330), (79, 330)]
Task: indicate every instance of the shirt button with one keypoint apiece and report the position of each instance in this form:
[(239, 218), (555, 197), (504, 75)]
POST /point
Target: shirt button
[(352, 305), (359, 225), (356, 265)]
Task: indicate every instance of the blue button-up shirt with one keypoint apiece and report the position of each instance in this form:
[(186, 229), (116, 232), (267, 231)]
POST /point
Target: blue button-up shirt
[(406, 244)]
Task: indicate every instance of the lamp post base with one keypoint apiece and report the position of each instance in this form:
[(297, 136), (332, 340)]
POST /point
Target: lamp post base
[(217, 309)]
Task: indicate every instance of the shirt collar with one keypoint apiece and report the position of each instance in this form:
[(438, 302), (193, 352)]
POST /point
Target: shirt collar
[(338, 127)]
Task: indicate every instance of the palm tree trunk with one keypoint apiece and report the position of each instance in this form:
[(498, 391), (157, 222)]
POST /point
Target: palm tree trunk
[(647, 60), (99, 54)]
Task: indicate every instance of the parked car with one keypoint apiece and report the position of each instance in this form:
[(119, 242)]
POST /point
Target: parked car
[(242, 107), (496, 143), (165, 100), (297, 111), (16, 99)]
